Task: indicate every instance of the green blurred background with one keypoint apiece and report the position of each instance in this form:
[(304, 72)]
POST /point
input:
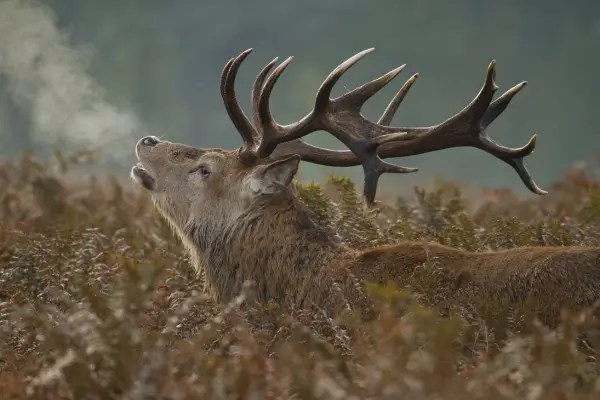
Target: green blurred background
[(105, 72)]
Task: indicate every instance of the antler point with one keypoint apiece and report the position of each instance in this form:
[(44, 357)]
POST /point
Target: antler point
[(396, 71), (363, 53), (533, 140), (283, 65)]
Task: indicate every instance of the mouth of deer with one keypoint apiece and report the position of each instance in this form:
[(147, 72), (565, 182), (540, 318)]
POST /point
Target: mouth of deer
[(142, 177)]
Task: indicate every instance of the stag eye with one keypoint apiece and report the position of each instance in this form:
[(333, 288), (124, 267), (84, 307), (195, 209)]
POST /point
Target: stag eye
[(203, 171)]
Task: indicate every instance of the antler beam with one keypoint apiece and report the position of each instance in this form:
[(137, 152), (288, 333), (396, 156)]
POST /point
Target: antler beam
[(369, 142)]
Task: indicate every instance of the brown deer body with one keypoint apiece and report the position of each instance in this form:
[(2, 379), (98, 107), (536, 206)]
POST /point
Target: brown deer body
[(238, 216)]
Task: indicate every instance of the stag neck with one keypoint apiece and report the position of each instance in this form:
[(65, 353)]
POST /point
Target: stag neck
[(276, 244)]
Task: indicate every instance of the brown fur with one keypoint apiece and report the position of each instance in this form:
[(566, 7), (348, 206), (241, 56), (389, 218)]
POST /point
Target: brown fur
[(550, 277), (240, 228)]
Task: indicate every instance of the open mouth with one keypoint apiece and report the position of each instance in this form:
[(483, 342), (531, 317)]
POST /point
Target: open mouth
[(142, 177)]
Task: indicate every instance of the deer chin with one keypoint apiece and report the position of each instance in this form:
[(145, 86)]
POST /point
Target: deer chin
[(143, 178)]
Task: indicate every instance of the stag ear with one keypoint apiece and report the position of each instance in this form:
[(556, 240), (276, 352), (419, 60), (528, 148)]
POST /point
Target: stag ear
[(273, 177)]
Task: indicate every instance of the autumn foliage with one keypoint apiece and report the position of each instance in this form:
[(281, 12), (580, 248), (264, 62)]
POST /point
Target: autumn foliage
[(98, 300)]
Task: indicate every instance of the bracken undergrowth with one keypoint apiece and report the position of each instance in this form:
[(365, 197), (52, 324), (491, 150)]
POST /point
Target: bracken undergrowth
[(98, 300)]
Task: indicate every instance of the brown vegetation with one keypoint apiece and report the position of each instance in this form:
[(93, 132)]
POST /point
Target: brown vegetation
[(105, 304)]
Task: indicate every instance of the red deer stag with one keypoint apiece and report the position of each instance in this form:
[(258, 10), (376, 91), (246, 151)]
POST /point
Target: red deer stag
[(238, 216)]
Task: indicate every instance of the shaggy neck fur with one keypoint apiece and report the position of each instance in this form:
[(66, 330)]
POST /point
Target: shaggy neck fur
[(275, 244)]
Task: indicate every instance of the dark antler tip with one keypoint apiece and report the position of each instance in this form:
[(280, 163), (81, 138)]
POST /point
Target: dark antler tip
[(524, 83), (532, 141), (360, 54), (281, 67), (528, 148), (243, 54), (537, 190), (286, 62), (393, 73), (239, 59), (491, 72)]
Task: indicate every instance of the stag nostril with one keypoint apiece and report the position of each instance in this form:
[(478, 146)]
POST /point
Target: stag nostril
[(149, 141)]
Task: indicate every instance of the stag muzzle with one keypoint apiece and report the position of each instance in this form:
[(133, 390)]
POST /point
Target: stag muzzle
[(138, 172)]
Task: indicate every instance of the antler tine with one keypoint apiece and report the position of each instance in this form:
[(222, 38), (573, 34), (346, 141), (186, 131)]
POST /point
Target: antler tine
[(500, 104), (235, 112), (324, 92), (388, 114), (357, 97), (272, 133), (480, 104), (257, 89)]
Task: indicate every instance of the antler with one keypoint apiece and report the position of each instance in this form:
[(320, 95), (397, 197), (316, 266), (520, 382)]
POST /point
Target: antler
[(369, 142)]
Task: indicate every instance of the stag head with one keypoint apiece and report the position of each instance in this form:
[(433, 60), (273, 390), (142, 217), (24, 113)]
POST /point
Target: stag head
[(188, 183), (217, 185)]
